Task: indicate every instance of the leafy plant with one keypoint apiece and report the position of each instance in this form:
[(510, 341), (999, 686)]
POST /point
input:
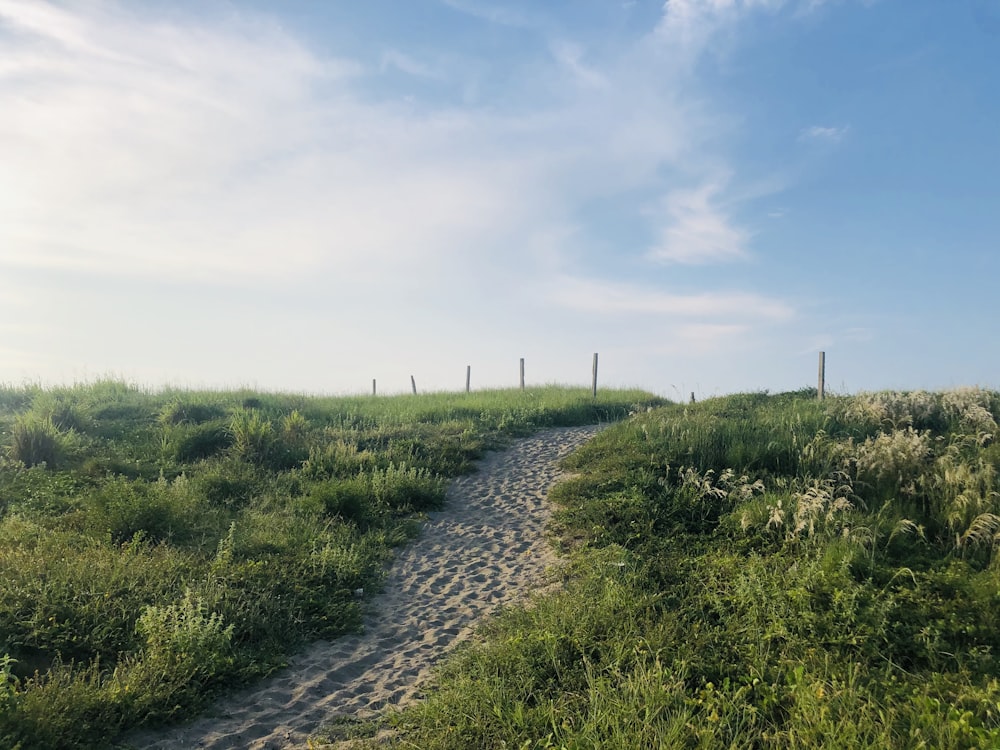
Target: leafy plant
[(186, 637)]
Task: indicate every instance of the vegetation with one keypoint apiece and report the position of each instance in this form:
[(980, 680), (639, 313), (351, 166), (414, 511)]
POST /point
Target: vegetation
[(158, 548), (756, 572)]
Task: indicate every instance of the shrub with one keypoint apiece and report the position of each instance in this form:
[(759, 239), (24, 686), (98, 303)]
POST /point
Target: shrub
[(252, 435), (185, 636), (160, 511), (35, 441), (336, 459), (348, 499), (201, 441), (404, 489), (176, 412), (228, 484), (63, 413)]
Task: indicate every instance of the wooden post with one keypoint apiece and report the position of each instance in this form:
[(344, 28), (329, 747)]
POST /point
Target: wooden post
[(522, 373), (373, 386), (413, 382), (692, 397), (821, 389), (468, 377), (595, 374)]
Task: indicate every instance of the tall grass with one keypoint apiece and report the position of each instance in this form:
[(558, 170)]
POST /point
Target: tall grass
[(157, 548), (756, 572), (34, 441)]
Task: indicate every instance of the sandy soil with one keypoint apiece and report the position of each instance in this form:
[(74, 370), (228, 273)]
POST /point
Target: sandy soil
[(484, 550)]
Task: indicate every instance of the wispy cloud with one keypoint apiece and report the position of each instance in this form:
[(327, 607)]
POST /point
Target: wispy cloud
[(603, 297), (696, 231), (220, 153), (494, 13), (689, 25), (404, 63), (570, 56), (231, 153), (829, 134)]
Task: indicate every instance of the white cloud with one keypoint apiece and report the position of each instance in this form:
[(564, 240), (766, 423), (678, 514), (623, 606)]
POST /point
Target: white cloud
[(411, 66), (230, 153), (603, 297), (696, 231), (570, 56), (222, 152), (688, 26), (493, 13), (824, 133), (233, 152)]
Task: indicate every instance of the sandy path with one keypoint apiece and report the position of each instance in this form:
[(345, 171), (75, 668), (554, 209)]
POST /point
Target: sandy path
[(483, 550)]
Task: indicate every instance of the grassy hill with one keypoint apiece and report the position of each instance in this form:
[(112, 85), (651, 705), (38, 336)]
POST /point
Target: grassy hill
[(157, 548), (756, 572)]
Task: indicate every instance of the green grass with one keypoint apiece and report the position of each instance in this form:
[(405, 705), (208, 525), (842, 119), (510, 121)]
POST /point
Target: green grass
[(158, 548), (755, 572)]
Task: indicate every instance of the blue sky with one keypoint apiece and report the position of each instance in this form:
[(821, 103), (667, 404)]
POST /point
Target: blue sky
[(305, 196)]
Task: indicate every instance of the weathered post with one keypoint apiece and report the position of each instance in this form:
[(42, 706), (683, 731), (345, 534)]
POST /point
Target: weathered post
[(522, 373), (692, 397), (595, 375), (413, 382), (821, 388), (373, 386), (468, 377)]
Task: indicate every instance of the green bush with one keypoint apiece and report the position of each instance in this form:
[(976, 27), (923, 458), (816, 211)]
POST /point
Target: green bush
[(252, 436), (337, 459), (349, 499), (186, 637), (62, 411), (200, 441), (35, 441), (230, 484), (166, 510), (406, 488), (177, 411)]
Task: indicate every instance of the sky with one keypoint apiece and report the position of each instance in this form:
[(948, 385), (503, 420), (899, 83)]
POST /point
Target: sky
[(305, 196)]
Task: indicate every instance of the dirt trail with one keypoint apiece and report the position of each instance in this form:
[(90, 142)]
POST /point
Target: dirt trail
[(485, 549)]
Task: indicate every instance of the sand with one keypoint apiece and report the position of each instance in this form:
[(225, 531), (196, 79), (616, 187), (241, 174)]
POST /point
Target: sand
[(485, 549)]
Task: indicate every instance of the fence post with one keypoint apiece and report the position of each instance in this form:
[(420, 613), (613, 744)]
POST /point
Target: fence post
[(413, 382), (692, 397), (522, 373), (595, 375), (821, 388), (373, 386), (468, 377)]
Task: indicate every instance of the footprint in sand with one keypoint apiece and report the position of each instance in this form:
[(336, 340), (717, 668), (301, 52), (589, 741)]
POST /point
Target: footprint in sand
[(484, 550)]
